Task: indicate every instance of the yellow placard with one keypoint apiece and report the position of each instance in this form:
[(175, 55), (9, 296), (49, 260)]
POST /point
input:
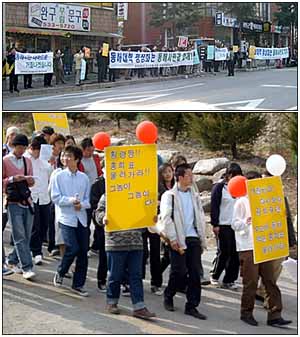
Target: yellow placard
[(235, 49), (252, 51), (131, 186), (269, 225), (58, 120), (105, 49)]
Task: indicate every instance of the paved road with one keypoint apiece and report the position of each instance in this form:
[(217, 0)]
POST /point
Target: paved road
[(273, 89), (38, 307)]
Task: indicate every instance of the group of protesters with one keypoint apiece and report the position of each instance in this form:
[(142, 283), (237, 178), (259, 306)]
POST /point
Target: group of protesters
[(65, 63), (55, 202)]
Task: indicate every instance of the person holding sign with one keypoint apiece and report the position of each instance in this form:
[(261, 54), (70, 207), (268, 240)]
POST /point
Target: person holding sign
[(183, 223), (124, 251), (13, 78), (242, 225)]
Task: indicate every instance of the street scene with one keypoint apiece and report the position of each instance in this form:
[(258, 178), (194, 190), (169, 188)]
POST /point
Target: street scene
[(272, 89), (131, 171), (202, 56)]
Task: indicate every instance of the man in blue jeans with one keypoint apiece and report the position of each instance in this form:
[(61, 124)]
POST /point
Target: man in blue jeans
[(71, 192), (124, 250)]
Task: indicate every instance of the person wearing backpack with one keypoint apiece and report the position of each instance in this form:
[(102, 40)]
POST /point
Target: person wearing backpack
[(17, 178)]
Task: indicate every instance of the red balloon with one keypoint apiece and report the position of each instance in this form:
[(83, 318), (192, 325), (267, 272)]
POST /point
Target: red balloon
[(147, 132), (237, 186), (101, 140)]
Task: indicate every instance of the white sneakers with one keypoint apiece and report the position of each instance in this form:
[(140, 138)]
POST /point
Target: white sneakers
[(28, 275), (214, 282), (38, 260)]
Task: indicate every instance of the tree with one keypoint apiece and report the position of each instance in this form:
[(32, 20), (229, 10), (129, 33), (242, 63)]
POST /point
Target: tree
[(216, 130), (175, 122), (287, 14), (117, 116), (241, 10), (182, 16), (293, 133)]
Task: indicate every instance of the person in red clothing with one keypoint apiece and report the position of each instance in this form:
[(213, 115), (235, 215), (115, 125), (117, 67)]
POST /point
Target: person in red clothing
[(91, 166)]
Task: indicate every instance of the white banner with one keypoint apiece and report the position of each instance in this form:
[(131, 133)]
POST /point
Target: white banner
[(123, 59), (33, 63), (221, 54), (271, 53), (59, 16)]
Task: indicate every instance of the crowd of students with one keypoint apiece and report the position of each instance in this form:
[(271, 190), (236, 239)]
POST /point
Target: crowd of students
[(56, 201)]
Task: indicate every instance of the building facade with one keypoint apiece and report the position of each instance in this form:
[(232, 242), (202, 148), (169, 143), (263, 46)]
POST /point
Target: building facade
[(49, 26)]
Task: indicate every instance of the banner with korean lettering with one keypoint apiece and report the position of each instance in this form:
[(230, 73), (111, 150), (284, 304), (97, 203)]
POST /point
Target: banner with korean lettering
[(33, 63), (124, 59), (59, 16), (271, 53), (131, 186), (58, 120), (269, 225), (221, 54)]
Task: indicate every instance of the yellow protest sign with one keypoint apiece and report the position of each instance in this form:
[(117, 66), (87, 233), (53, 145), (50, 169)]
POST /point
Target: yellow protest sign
[(252, 51), (235, 49), (58, 120), (131, 186), (105, 49), (269, 225)]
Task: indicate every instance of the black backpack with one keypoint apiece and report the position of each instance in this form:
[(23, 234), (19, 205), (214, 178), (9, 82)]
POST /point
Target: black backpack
[(19, 191)]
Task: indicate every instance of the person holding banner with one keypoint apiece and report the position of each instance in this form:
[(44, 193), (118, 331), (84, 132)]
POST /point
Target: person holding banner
[(101, 64), (230, 61), (13, 78), (183, 223), (242, 226), (124, 251), (78, 57)]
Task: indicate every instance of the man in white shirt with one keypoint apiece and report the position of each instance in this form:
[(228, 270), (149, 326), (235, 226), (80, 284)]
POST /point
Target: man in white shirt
[(71, 193), (40, 197), (183, 220)]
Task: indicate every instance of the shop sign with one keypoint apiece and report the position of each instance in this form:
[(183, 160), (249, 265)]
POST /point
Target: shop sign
[(226, 21), (122, 13), (59, 16), (267, 27), (252, 26)]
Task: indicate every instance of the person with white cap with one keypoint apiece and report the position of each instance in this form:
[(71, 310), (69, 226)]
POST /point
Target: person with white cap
[(11, 133)]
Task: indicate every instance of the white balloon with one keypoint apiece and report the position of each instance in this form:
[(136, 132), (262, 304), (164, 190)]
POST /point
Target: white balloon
[(276, 165)]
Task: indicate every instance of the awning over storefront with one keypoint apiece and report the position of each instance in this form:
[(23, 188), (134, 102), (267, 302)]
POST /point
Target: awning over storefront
[(36, 31)]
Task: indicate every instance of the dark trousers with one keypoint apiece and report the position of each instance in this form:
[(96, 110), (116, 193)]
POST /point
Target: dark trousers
[(182, 265), (230, 65), (76, 246), (155, 269), (102, 265), (166, 259), (101, 72), (13, 82), (27, 81), (112, 75), (227, 256), (51, 229), (251, 273), (40, 225), (47, 79), (97, 238)]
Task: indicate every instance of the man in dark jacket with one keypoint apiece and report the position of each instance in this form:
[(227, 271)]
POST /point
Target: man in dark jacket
[(222, 205), (13, 78)]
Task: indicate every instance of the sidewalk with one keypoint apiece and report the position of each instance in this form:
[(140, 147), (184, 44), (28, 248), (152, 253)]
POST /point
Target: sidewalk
[(92, 83)]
